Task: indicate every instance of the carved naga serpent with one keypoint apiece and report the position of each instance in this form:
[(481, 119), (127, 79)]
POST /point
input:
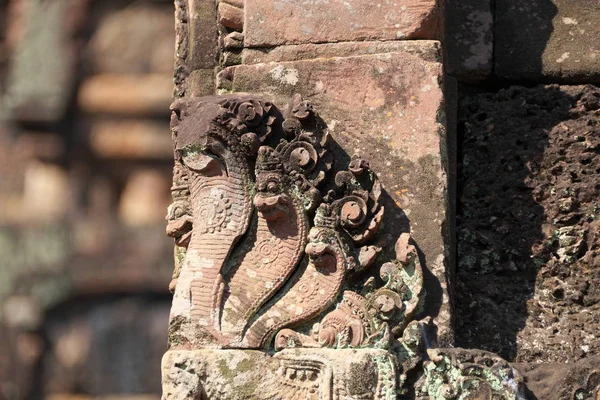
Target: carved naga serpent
[(248, 270), (213, 143), (275, 247)]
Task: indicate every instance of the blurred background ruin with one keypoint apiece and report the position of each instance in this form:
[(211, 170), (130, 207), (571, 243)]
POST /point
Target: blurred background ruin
[(85, 171)]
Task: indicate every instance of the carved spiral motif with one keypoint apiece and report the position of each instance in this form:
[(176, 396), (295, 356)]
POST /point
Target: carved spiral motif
[(305, 291), (268, 252), (353, 211), (386, 304), (328, 336), (250, 112), (303, 110), (301, 156)]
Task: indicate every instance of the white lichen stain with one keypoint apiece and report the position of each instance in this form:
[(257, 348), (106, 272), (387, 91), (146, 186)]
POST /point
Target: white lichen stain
[(287, 76), (569, 21), (563, 57), (333, 124)]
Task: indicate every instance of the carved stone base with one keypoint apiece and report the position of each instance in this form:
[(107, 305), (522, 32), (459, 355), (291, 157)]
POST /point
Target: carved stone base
[(303, 373)]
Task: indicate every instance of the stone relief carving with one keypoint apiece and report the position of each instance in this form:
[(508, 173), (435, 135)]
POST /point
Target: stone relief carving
[(274, 255), (302, 374)]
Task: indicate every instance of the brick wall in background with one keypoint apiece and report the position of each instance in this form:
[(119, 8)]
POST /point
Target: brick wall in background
[(85, 167)]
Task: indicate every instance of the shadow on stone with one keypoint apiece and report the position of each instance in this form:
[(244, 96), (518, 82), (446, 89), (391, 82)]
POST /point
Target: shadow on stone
[(521, 35), (504, 236)]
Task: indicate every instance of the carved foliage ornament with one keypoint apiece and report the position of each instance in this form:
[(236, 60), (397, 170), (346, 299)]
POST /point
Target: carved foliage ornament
[(273, 249)]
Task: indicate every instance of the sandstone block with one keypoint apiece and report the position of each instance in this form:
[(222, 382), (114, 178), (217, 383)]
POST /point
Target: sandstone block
[(389, 109), (276, 22), (312, 374), (201, 44), (428, 50), (230, 16), (201, 82), (469, 40), (544, 40)]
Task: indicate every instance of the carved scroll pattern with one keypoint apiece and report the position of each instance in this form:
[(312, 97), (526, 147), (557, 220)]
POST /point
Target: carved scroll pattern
[(268, 254)]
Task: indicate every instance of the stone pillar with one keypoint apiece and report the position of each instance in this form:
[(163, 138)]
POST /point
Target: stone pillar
[(311, 211)]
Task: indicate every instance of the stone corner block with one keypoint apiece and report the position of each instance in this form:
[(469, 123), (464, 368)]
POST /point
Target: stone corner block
[(390, 109), (294, 373), (271, 23), (548, 41), (469, 39)]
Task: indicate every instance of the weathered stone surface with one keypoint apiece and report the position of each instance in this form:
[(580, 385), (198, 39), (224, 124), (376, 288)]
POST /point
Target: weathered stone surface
[(291, 374), (573, 381), (201, 82), (202, 49), (126, 94), (428, 50), (469, 39), (468, 374), (276, 22), (230, 16), (528, 233), (389, 109), (543, 40), (196, 46)]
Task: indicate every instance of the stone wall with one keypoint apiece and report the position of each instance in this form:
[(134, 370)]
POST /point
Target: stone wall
[(550, 41), (527, 235)]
